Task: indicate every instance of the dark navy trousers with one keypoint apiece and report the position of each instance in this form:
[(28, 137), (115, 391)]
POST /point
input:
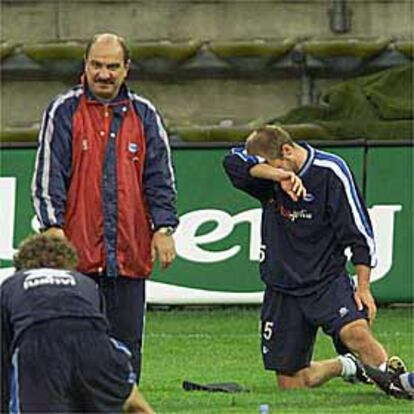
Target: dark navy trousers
[(125, 311)]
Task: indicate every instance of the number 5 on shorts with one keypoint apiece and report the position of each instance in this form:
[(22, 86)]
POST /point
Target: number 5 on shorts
[(267, 330)]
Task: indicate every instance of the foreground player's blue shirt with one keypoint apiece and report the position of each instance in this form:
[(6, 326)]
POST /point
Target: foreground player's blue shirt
[(33, 296), (304, 241), (36, 296)]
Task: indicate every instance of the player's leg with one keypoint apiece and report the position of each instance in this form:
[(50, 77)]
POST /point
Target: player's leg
[(136, 403), (353, 333), (358, 337), (287, 340), (106, 379), (316, 374), (41, 371), (125, 309), (335, 310), (319, 372), (287, 343)]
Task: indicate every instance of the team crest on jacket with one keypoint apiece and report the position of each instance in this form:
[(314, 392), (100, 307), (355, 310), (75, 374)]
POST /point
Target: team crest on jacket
[(132, 147), (309, 198), (343, 311)]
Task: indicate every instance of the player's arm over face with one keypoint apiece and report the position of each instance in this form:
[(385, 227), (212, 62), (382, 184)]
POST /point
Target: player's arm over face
[(254, 176), (237, 164), (136, 403)]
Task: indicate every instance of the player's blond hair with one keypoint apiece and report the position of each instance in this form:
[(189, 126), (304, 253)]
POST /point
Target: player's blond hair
[(268, 141)]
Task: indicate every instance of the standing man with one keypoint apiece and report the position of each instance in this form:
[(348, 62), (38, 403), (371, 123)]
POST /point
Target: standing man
[(104, 180), (303, 243), (51, 319)]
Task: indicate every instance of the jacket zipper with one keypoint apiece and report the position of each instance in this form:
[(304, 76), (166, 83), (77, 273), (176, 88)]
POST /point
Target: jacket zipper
[(106, 119)]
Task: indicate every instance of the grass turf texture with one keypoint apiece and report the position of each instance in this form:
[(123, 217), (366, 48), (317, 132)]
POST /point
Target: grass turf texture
[(222, 345)]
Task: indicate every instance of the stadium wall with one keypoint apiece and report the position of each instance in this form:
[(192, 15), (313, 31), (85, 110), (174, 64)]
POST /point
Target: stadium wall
[(239, 94), (218, 240), (176, 20)]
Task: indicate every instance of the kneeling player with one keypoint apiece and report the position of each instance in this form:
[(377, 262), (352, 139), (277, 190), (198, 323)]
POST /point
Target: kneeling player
[(57, 355), (312, 211)]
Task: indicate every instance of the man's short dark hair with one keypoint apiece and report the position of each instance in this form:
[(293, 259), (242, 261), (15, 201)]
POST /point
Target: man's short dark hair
[(121, 40), (42, 250)]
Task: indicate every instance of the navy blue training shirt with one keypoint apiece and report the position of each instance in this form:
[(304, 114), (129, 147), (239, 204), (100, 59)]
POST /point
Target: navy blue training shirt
[(35, 296), (304, 241)]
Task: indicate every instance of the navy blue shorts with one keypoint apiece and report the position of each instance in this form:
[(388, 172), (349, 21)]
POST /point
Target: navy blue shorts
[(68, 366), (289, 323)]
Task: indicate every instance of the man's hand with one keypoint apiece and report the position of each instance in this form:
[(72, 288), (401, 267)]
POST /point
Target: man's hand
[(55, 232), (363, 297), (163, 247), (288, 180), (292, 185)]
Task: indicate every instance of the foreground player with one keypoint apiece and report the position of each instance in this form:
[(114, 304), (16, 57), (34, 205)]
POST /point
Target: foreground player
[(56, 353), (303, 264)]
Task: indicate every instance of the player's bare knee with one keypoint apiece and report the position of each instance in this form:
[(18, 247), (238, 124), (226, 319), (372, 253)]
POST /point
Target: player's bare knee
[(308, 380), (300, 379), (356, 335), (285, 381), (289, 384)]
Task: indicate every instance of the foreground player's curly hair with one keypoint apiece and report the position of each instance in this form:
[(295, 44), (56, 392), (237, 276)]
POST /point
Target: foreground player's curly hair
[(41, 250)]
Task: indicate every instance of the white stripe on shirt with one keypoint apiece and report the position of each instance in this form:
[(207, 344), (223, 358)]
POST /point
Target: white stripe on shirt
[(48, 129), (333, 166)]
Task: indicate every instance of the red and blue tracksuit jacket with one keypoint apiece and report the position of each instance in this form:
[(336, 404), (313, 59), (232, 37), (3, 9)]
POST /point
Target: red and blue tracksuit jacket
[(104, 174)]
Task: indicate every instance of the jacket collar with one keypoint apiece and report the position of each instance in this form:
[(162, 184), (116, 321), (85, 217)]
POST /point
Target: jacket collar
[(309, 159)]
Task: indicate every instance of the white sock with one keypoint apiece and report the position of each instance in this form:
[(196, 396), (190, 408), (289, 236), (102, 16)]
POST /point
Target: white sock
[(383, 367), (407, 381), (348, 366)]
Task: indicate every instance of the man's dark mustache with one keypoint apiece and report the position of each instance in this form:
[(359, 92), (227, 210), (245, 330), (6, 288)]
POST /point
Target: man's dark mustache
[(104, 82)]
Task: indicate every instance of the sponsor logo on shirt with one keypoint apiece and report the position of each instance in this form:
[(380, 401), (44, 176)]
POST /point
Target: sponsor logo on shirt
[(41, 277), (294, 215)]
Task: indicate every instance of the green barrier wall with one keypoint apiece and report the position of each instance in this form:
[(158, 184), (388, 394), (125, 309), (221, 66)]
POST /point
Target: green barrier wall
[(390, 178), (218, 239)]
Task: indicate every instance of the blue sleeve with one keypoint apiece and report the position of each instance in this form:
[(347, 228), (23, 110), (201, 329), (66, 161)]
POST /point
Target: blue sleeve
[(349, 217), (159, 178), (237, 165), (5, 367), (53, 162)]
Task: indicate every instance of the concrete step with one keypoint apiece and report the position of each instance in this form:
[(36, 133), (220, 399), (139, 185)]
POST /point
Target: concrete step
[(322, 57)]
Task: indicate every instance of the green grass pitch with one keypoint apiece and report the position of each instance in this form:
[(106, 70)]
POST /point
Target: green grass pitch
[(222, 345)]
